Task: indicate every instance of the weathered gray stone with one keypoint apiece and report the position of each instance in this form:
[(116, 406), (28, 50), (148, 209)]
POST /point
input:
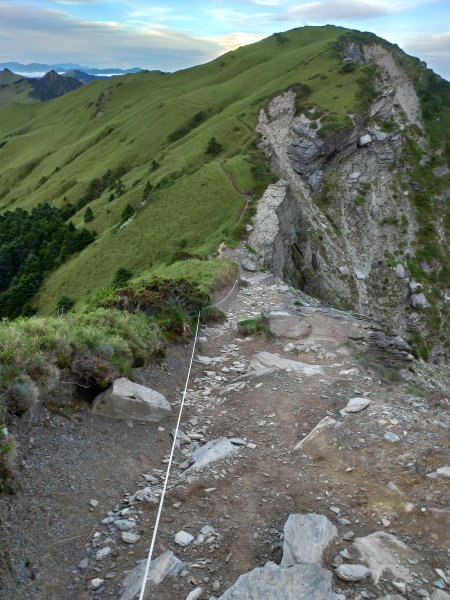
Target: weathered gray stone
[(130, 538), (128, 400), (271, 582), (364, 140), (160, 568), (274, 360), (195, 594), (305, 538), (419, 301), (390, 436), (400, 271), (249, 265), (282, 323), (392, 597), (415, 286), (384, 552), (440, 595), (183, 538), (440, 472), (356, 405), (352, 572), (211, 452)]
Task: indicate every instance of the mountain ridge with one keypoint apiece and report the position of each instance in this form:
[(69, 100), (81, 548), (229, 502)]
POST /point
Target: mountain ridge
[(222, 100)]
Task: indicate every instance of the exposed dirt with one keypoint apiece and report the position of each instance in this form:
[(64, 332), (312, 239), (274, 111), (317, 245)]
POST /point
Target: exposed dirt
[(247, 497)]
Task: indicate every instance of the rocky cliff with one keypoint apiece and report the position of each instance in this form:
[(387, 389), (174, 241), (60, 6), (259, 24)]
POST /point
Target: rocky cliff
[(343, 217)]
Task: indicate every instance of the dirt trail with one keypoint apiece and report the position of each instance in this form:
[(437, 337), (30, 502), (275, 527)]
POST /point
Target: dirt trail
[(349, 472)]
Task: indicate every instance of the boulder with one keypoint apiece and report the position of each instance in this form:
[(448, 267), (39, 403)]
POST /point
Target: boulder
[(305, 538), (352, 572), (160, 568), (128, 400), (400, 271), (267, 359), (384, 552), (282, 323), (271, 582)]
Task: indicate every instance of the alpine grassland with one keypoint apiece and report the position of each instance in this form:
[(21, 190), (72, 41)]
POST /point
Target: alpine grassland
[(104, 145)]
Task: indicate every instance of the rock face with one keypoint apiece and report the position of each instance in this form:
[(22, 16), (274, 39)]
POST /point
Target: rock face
[(330, 221), (282, 323), (305, 538), (160, 568), (128, 400), (271, 582)]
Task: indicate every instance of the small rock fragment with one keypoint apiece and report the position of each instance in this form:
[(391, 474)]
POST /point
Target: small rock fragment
[(352, 572)]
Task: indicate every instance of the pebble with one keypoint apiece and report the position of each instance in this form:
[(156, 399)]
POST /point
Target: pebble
[(390, 436), (216, 585), (183, 538), (103, 552), (195, 594), (130, 538), (93, 503), (96, 583)]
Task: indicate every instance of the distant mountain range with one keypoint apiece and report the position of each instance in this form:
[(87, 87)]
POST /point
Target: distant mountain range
[(62, 68), (25, 89)]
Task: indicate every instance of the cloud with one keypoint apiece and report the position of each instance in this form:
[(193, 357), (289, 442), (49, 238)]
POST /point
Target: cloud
[(232, 41), (433, 48), (53, 36), (331, 10)]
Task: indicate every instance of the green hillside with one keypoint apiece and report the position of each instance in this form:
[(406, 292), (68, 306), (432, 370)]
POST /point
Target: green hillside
[(156, 127), (99, 146)]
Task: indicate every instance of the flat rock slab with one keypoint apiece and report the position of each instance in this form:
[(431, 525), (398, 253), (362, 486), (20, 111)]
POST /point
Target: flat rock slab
[(356, 405), (384, 552), (160, 568), (271, 582), (128, 400), (282, 323), (267, 359), (305, 538), (211, 452)]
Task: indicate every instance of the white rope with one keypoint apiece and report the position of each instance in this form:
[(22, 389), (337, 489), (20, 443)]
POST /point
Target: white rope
[(175, 437), (161, 502)]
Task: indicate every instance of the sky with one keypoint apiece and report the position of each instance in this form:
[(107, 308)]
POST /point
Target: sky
[(175, 34)]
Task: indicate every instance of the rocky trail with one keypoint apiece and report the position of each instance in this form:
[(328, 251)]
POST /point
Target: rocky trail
[(292, 450)]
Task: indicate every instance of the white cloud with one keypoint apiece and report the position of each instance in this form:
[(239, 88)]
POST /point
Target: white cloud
[(231, 41), (340, 10), (433, 48), (53, 36)]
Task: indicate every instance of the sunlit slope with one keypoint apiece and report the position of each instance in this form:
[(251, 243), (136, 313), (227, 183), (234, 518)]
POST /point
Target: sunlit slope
[(53, 150)]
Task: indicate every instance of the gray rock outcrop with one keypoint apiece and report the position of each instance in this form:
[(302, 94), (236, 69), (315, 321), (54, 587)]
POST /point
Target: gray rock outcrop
[(283, 323), (128, 400), (305, 538), (271, 582)]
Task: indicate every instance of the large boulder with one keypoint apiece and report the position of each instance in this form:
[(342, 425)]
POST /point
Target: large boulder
[(282, 323), (128, 400), (271, 582), (305, 538)]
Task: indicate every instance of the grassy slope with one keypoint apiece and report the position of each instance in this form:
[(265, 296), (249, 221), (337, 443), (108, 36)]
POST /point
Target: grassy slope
[(56, 148)]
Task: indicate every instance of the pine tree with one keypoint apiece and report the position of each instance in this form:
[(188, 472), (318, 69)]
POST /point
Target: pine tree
[(127, 212), (88, 215)]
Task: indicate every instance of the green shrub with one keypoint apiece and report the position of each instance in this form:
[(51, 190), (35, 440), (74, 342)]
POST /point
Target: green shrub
[(127, 213), (65, 303), (121, 278), (214, 147)]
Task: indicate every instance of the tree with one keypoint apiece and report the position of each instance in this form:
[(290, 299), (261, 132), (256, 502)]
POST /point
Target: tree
[(121, 277), (214, 147), (88, 215), (147, 194), (65, 303), (127, 213)]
